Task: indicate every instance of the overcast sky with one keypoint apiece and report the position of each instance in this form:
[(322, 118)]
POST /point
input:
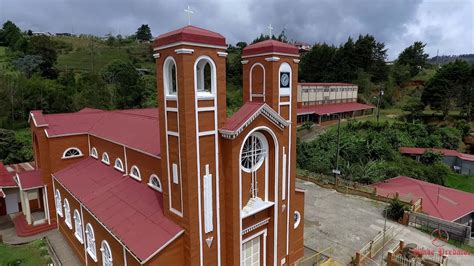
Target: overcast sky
[(447, 25)]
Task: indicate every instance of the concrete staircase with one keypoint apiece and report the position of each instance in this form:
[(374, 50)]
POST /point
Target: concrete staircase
[(24, 229)]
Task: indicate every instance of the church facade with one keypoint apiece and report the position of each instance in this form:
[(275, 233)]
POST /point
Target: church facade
[(182, 184)]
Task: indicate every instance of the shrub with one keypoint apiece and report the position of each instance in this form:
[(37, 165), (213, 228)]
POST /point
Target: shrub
[(395, 210)]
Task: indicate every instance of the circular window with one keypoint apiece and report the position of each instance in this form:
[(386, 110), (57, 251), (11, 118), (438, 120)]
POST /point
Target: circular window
[(253, 152), (297, 219)]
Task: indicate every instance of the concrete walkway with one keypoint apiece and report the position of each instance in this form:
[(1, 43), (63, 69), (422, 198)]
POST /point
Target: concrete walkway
[(343, 224), (62, 249)]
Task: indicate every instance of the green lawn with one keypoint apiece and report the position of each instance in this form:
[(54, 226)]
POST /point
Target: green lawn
[(461, 182), (90, 53), (35, 253)]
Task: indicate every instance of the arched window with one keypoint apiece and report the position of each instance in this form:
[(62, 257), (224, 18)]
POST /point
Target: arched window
[(67, 214), (135, 173), (106, 254), (297, 219), (72, 153), (170, 77), (254, 152), (90, 241), (105, 158), (59, 208), (205, 77), (155, 183), (285, 79), (118, 164), (94, 153), (78, 226)]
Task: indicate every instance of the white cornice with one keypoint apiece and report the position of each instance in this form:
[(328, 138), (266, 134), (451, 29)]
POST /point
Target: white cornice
[(184, 51), (272, 59), (271, 53), (244, 62), (189, 43), (297, 61), (156, 55), (222, 54)]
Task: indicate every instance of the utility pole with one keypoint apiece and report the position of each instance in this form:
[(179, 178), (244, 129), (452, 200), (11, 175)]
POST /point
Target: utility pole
[(378, 103), (336, 171)]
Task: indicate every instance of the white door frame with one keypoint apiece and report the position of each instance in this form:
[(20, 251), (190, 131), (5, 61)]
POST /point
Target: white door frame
[(264, 233)]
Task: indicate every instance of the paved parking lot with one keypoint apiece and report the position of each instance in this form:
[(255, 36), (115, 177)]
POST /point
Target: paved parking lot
[(346, 223)]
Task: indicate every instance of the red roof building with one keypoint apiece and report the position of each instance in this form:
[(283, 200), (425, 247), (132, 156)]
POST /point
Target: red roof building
[(181, 184), (459, 162), (323, 102), (438, 201)]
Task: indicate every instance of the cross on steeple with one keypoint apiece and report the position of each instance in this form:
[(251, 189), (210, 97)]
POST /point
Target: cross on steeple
[(189, 12), (270, 28)]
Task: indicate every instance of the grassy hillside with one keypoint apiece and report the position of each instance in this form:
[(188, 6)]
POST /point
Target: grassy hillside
[(93, 54)]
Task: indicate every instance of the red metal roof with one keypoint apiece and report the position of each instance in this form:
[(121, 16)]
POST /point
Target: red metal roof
[(444, 152), (242, 115), (135, 128), (38, 118), (438, 201), (325, 84), (190, 34), (270, 46), (323, 109), (30, 179), (6, 178), (132, 211), (246, 114)]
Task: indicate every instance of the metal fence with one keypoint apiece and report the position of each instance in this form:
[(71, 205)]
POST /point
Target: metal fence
[(456, 232), (371, 249)]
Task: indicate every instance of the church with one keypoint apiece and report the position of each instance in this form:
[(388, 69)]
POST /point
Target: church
[(181, 184)]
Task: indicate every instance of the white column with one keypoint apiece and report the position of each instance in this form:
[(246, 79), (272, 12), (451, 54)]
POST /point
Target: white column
[(26, 206)]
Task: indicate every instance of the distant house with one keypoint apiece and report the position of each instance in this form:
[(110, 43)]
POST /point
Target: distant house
[(437, 201), (460, 162), (64, 34), (322, 102), (303, 47), (42, 33)]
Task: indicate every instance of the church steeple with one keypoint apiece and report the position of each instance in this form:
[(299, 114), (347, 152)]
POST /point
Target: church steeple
[(191, 97), (270, 74)]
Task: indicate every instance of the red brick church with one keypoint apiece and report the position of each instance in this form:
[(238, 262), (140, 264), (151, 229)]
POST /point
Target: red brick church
[(181, 184)]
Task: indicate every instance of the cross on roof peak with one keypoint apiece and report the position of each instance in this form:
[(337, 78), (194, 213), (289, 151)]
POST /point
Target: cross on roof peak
[(189, 12), (270, 28)]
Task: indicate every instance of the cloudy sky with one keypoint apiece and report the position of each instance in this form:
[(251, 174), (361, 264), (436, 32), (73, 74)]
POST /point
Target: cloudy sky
[(447, 25)]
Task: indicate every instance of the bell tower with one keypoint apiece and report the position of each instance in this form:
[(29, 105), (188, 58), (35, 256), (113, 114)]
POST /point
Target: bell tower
[(190, 68), (270, 75)]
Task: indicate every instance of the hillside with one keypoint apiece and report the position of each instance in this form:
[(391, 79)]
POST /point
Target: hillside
[(88, 53), (444, 59)]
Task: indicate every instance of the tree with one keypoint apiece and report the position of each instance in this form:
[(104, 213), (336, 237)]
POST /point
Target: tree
[(451, 86), (317, 64), (124, 77), (11, 36), (415, 57), (28, 64), (415, 109), (431, 157), (143, 33), (44, 47)]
